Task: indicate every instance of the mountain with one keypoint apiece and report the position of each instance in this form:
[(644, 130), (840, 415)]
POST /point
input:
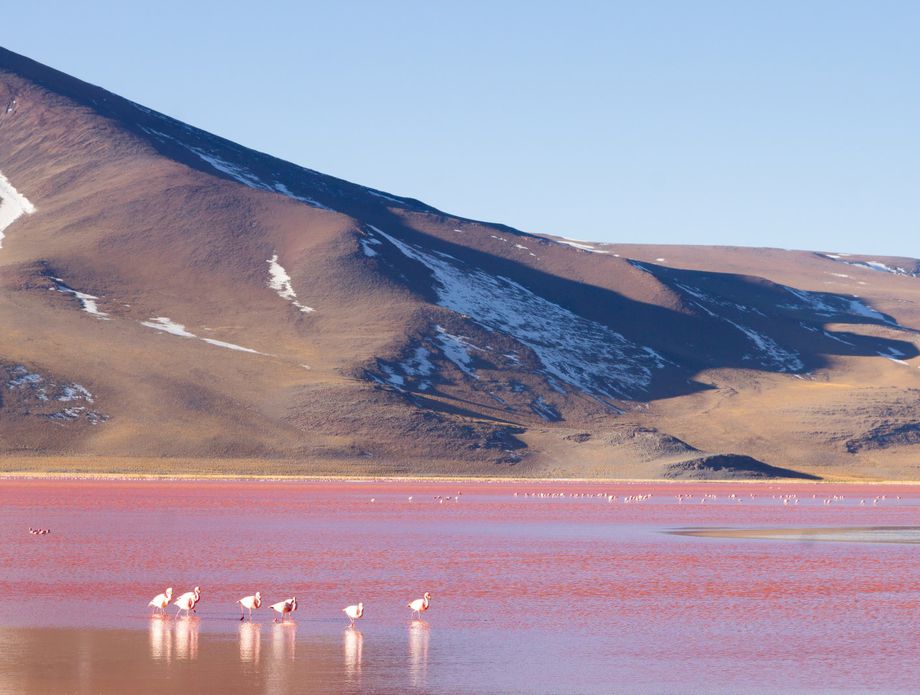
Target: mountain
[(173, 301)]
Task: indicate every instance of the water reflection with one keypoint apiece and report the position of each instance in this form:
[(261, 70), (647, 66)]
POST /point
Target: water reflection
[(187, 638), (280, 670), (418, 653), (354, 644), (160, 639), (250, 642), (284, 641)]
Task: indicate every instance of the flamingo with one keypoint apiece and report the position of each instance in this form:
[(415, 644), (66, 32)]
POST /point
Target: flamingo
[(420, 605), (250, 602), (161, 601), (187, 601), (354, 612), (284, 607)]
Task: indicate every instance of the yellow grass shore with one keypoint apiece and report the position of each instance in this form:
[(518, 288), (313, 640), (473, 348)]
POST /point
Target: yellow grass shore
[(111, 468)]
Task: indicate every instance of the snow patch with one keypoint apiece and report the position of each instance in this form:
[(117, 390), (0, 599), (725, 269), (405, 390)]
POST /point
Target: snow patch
[(545, 410), (420, 366), (75, 392), (781, 359), (828, 305), (367, 244), (280, 281), (231, 346), (873, 265), (23, 377), (162, 323), (235, 171), (580, 245), (582, 353), (31, 385), (859, 308), (704, 300), (283, 190), (12, 205), (87, 301), (457, 348), (378, 194), (894, 355)]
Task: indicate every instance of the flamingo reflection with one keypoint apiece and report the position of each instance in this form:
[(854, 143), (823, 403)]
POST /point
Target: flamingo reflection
[(353, 643), (418, 652), (187, 639), (250, 642), (284, 640), (160, 639)]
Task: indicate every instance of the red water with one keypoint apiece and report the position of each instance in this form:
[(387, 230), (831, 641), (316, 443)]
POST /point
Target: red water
[(531, 594)]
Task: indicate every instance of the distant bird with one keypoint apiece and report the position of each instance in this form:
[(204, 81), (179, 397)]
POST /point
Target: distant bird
[(354, 612), (250, 602), (160, 602), (284, 607), (420, 605), (187, 601)]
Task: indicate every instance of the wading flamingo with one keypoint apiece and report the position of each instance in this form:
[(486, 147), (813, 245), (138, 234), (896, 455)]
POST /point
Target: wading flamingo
[(187, 601), (161, 601), (420, 605), (285, 607), (354, 612), (250, 602)]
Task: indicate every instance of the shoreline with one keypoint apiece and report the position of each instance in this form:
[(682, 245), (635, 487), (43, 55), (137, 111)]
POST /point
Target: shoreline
[(228, 477)]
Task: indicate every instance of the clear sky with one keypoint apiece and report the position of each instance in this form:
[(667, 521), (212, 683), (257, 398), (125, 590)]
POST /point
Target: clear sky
[(774, 123)]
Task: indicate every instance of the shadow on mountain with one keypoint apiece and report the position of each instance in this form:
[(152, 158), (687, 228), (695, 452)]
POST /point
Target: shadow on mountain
[(726, 321), (729, 467)]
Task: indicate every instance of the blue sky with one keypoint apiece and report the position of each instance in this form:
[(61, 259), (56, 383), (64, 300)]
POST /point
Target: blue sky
[(791, 124)]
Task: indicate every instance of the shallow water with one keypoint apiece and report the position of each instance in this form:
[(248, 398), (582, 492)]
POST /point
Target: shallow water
[(552, 594)]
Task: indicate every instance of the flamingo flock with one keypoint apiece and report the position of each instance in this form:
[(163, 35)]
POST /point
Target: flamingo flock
[(187, 602), (786, 500)]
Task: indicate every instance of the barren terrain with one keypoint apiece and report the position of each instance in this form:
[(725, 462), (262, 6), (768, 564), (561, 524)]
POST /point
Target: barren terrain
[(174, 302)]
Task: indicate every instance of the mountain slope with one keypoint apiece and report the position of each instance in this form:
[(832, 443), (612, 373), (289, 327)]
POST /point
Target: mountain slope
[(169, 295)]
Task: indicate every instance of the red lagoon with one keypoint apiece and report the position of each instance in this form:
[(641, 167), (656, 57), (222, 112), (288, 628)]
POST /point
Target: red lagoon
[(536, 587)]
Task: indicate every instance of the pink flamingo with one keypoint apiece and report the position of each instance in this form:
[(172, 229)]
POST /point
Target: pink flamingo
[(354, 612), (420, 605), (187, 601), (250, 602), (161, 601), (284, 607)]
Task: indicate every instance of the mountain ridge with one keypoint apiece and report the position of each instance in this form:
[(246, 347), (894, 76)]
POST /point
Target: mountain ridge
[(310, 318)]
